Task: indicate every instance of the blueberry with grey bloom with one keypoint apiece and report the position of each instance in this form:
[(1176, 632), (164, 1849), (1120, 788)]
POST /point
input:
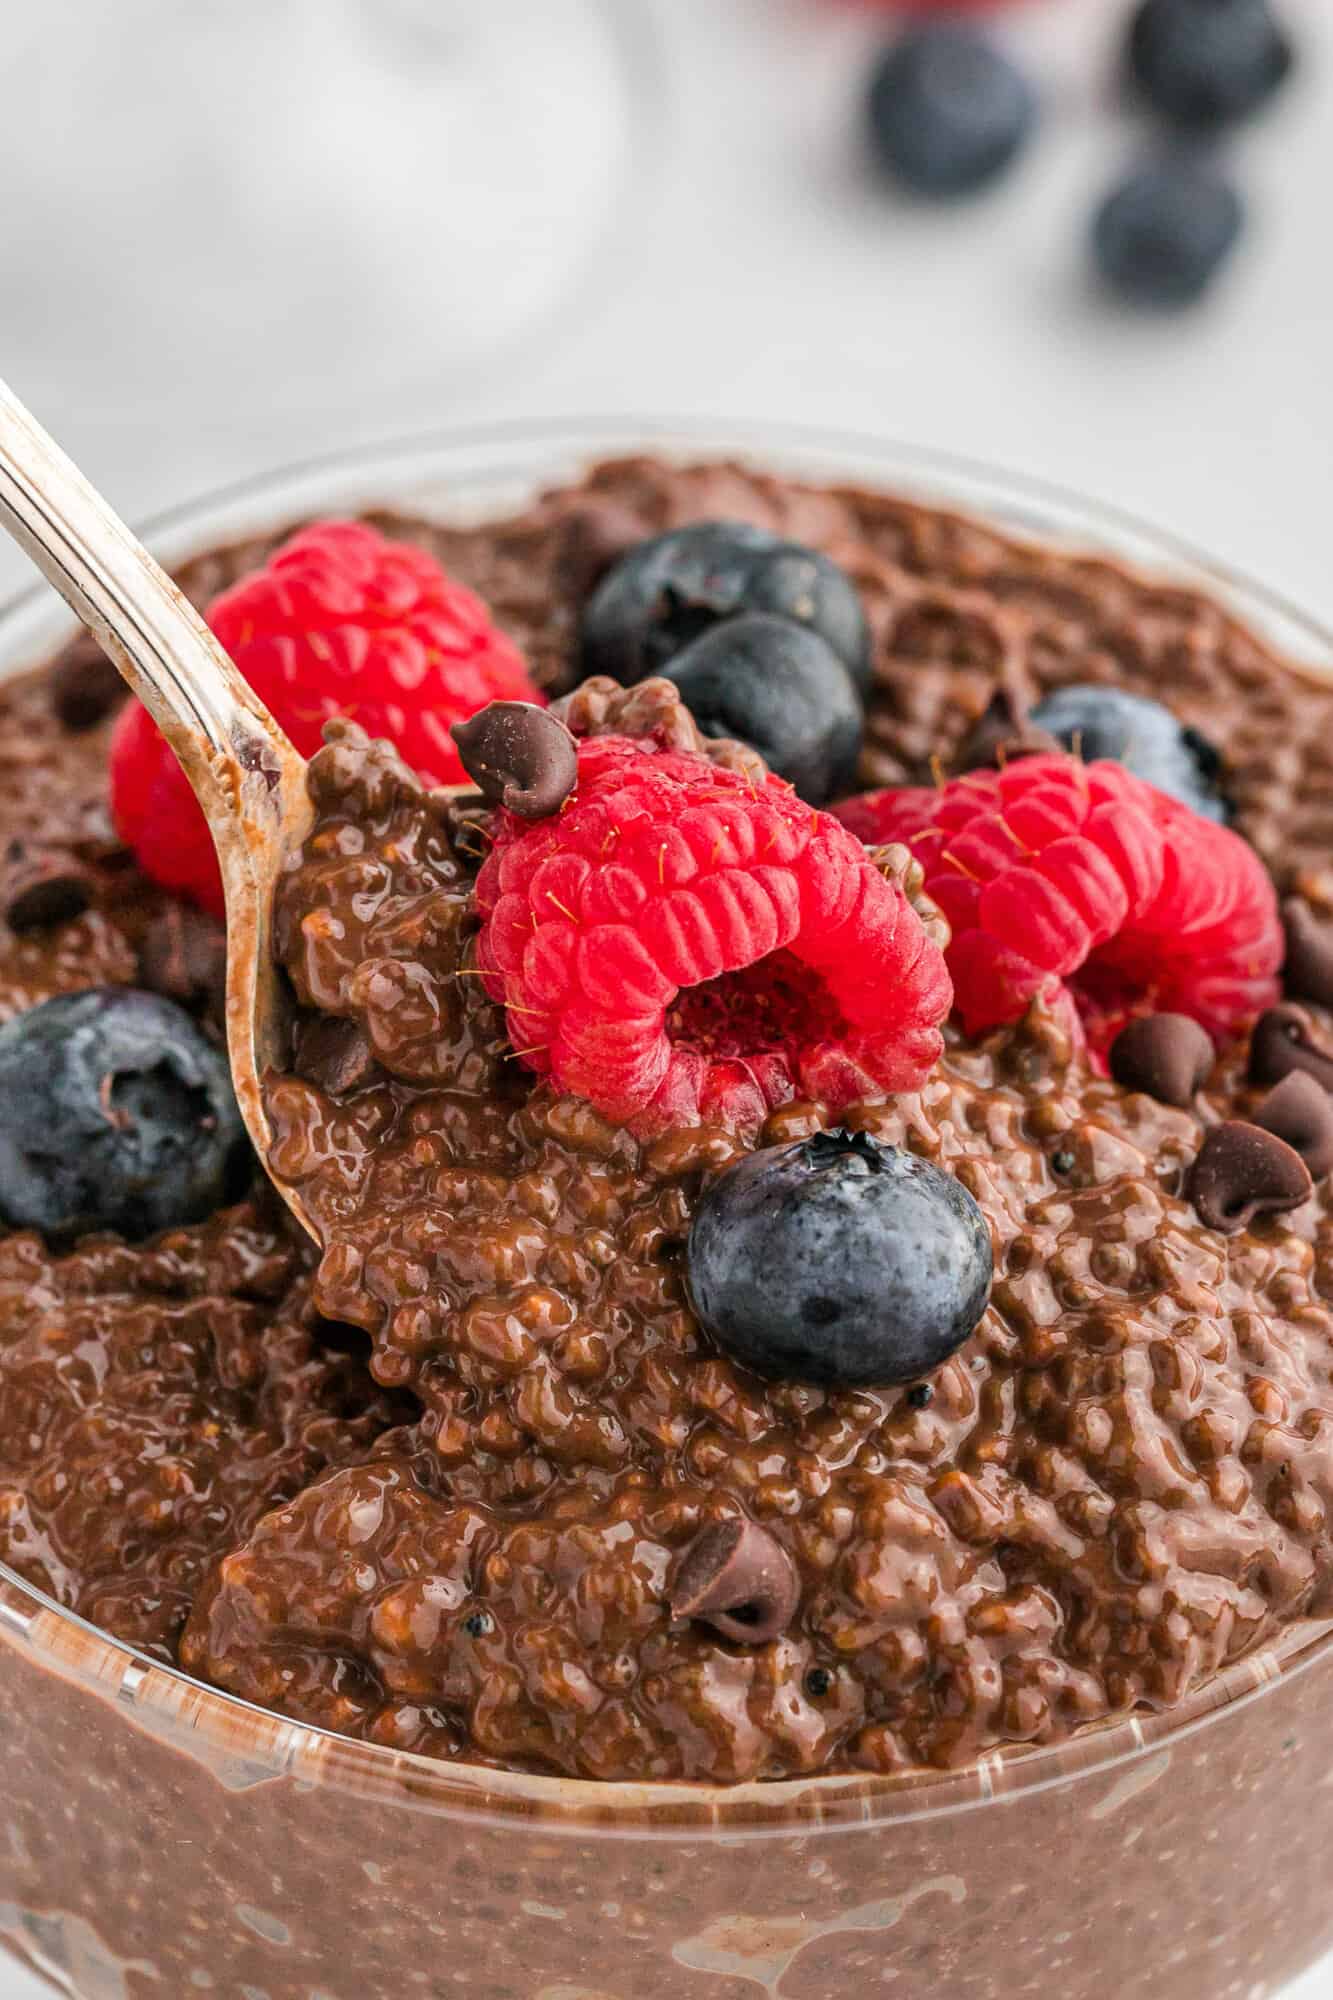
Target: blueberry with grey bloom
[(1204, 63), (947, 110), (1142, 735), (838, 1260), (670, 590), (115, 1113), (779, 688), (1162, 235)]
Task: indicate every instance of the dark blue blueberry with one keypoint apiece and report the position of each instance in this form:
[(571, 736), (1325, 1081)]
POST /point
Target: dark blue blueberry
[(839, 1260), (947, 111), (670, 590), (1143, 736), (115, 1113), (1161, 236), (1203, 63), (779, 688)]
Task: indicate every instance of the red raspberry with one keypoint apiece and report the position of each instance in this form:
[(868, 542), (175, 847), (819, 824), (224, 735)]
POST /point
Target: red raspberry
[(339, 621), (1056, 875), (680, 943)]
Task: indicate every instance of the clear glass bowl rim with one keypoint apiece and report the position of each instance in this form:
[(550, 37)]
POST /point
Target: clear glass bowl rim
[(482, 469)]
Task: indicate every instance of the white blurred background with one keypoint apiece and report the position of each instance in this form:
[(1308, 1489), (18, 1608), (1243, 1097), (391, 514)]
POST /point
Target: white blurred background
[(233, 235), (237, 234)]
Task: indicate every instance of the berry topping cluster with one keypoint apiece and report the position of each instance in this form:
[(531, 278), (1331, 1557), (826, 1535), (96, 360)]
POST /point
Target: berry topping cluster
[(664, 593), (767, 640), (677, 933)]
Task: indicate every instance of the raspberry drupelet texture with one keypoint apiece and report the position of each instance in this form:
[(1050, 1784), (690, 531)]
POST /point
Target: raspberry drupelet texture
[(339, 621), (683, 942), (1081, 881)]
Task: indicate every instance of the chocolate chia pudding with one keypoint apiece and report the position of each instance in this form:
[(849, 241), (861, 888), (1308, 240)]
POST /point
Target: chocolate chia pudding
[(878, 1647)]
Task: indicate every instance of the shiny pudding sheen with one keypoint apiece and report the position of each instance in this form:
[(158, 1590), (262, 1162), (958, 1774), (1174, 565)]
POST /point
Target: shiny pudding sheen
[(430, 1484)]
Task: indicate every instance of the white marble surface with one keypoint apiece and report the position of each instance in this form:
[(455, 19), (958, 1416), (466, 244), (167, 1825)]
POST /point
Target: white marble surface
[(325, 220)]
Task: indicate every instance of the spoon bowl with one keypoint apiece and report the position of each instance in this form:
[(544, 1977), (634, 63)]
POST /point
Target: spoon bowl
[(248, 778)]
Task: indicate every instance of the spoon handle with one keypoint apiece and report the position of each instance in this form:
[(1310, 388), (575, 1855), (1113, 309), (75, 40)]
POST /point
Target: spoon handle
[(151, 631)]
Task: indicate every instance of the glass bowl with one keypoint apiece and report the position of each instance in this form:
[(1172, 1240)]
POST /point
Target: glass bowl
[(162, 1838)]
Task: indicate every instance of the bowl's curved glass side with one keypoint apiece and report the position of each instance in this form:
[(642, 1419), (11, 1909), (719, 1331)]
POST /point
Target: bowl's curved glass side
[(157, 1838), (239, 1744), (474, 473)]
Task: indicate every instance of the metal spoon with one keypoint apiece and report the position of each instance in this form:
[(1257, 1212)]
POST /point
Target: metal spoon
[(247, 777)]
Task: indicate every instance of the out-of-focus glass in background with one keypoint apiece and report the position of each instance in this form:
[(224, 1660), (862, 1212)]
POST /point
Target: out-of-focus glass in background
[(289, 202), (236, 232)]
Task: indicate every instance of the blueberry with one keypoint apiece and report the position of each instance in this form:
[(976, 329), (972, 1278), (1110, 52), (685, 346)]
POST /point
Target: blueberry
[(115, 1113), (779, 688), (1203, 63), (1161, 236), (947, 111), (668, 591), (1143, 736), (839, 1260)]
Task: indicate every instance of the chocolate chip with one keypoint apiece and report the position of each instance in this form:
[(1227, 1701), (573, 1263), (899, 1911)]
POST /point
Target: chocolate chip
[(1001, 734), (920, 1396), (738, 1579), (1243, 1171), (1308, 972), (1284, 1040), (1300, 1111), (818, 1683), (520, 755), (336, 1055), (41, 886), (184, 956), (85, 686), (1167, 1056)]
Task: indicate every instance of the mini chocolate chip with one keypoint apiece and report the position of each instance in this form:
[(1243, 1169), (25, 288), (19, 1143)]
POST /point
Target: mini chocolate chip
[(1167, 1056), (41, 886), (818, 1683), (478, 1623), (1300, 1111), (738, 1579), (334, 1054), (184, 956), (1243, 1171), (85, 685), (1284, 1040), (1001, 734), (1308, 972), (520, 755), (920, 1396), (1063, 1162)]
